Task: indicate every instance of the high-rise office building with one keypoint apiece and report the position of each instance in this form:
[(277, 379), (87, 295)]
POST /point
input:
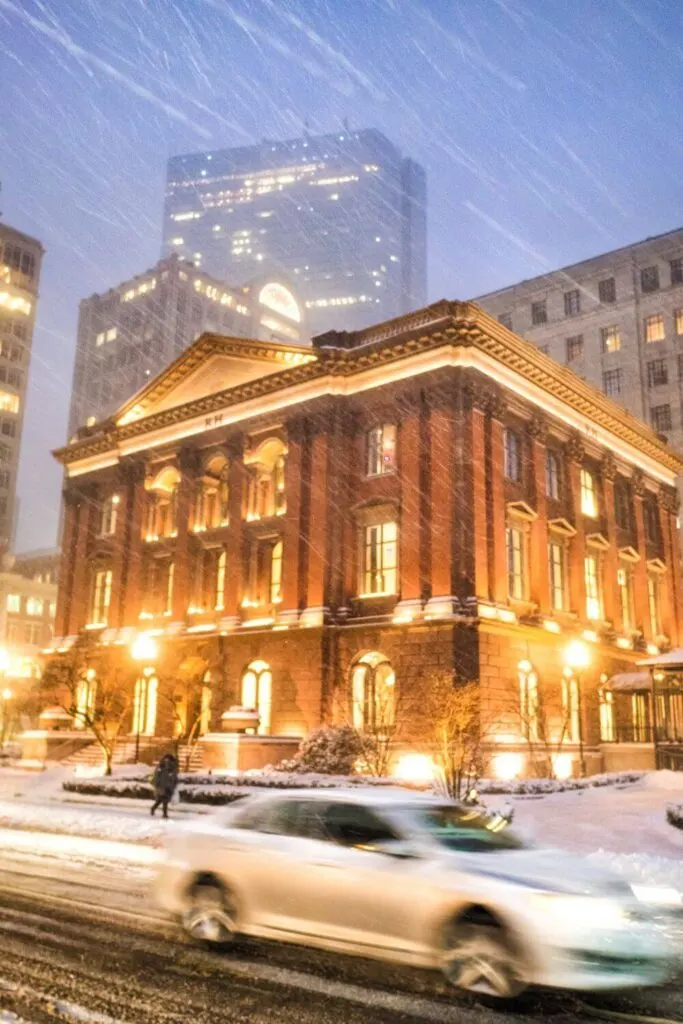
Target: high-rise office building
[(616, 320), (341, 215), (128, 334), (20, 260)]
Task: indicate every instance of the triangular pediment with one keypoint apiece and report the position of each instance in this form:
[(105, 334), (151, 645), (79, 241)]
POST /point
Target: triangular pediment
[(562, 526), (212, 364), (597, 540)]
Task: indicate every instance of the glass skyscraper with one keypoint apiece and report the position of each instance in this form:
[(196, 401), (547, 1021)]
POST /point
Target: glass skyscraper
[(342, 217)]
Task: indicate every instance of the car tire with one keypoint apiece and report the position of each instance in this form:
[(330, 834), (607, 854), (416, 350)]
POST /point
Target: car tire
[(211, 916), (482, 960)]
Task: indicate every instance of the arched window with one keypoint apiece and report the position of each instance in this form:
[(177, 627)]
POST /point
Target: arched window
[(257, 693), (162, 514), (267, 494), (109, 515), (528, 700), (373, 693), (607, 726), (145, 705)]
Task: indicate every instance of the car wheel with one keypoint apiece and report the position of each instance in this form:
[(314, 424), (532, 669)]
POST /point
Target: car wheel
[(480, 958), (211, 917)]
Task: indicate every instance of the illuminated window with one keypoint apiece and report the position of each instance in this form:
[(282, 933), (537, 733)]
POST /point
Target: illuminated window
[(85, 697), (9, 403), (625, 588), (589, 497), (35, 606), (678, 321), (205, 707), (13, 603), (640, 717), (220, 581), (373, 694), (109, 515), (654, 327), (653, 604), (592, 581), (380, 450), (257, 693), (267, 494), (607, 728), (380, 563), (145, 697), (100, 596), (162, 509), (556, 573), (170, 573), (552, 475), (516, 567), (99, 339), (276, 573), (572, 302), (529, 705), (610, 338), (570, 708), (512, 456)]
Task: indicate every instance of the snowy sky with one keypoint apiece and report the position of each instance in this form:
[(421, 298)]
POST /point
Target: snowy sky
[(550, 131)]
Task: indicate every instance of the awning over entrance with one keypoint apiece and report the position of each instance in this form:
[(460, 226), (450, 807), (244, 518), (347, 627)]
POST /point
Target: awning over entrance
[(629, 682), (670, 660)]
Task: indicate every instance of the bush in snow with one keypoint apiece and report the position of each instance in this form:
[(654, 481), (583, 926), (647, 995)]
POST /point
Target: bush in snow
[(331, 750), (540, 787), (674, 815)]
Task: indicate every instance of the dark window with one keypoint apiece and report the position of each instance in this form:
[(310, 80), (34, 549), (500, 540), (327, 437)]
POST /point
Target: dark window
[(680, 367), (649, 279), (651, 521), (676, 267), (506, 320), (355, 825), (574, 347), (611, 382), (459, 828), (607, 290), (28, 264), (513, 456), (661, 418), (4, 479), (657, 373), (9, 428), (622, 505), (539, 312), (572, 302), (552, 474)]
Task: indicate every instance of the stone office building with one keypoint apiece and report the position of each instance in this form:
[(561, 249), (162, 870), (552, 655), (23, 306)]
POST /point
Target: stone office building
[(331, 529)]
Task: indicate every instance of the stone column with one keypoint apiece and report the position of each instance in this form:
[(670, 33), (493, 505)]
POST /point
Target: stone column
[(537, 429), (574, 452), (442, 501), (67, 563), (184, 542), (471, 507), (316, 562), (498, 576), (410, 459), (667, 502), (640, 572), (133, 556), (234, 562), (291, 541), (80, 578), (608, 473)]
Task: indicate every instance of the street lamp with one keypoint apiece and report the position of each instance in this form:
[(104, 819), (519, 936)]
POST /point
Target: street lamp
[(577, 659), (145, 650)]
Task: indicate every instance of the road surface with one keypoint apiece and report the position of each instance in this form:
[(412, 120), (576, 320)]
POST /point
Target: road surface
[(85, 944)]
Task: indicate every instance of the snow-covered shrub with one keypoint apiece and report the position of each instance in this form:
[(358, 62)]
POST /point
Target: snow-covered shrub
[(541, 787), (674, 815), (330, 750)]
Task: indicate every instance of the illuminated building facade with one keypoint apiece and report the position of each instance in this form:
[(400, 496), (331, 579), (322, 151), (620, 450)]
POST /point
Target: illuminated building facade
[(333, 528), (20, 260), (128, 334), (343, 216)]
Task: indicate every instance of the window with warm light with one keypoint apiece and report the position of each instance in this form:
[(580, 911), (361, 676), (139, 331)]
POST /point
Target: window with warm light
[(516, 562), (607, 724), (109, 515), (380, 450), (85, 698), (13, 602), (654, 327), (380, 559), (162, 509), (556, 575), (570, 709), (100, 597), (373, 694), (145, 697), (220, 581), (678, 321), (529, 704), (626, 602), (610, 338), (512, 452), (211, 506), (170, 575), (35, 606), (9, 403), (593, 587), (640, 717), (589, 496), (552, 475), (266, 494), (276, 573), (257, 693), (653, 604)]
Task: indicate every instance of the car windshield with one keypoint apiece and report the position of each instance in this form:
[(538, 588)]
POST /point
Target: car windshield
[(464, 829)]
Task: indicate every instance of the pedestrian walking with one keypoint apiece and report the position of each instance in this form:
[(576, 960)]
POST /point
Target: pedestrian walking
[(165, 781)]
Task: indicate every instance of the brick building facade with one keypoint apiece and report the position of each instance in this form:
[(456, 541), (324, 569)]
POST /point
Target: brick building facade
[(328, 530)]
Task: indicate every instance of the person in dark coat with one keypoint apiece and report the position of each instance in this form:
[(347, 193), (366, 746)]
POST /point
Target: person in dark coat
[(165, 781)]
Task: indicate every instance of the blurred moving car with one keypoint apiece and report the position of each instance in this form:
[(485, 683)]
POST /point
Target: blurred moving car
[(413, 879)]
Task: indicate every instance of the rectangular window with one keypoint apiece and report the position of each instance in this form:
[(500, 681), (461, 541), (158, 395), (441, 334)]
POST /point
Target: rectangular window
[(654, 327), (514, 541), (570, 708), (556, 573), (33, 632), (380, 450), (661, 418), (9, 403), (574, 348), (539, 312), (657, 373), (625, 587), (678, 321), (622, 505), (34, 606), (168, 602), (649, 279), (611, 382), (572, 302), (512, 456), (380, 562), (651, 520), (607, 290), (607, 726), (101, 597), (611, 339), (653, 604), (593, 588), (552, 475), (506, 320), (676, 270), (276, 573), (220, 581), (589, 497), (13, 602)]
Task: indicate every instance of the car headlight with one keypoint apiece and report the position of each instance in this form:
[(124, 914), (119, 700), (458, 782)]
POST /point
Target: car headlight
[(581, 911), (657, 896)]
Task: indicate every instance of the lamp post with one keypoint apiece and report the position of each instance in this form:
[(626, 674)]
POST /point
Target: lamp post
[(577, 658), (145, 651)]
